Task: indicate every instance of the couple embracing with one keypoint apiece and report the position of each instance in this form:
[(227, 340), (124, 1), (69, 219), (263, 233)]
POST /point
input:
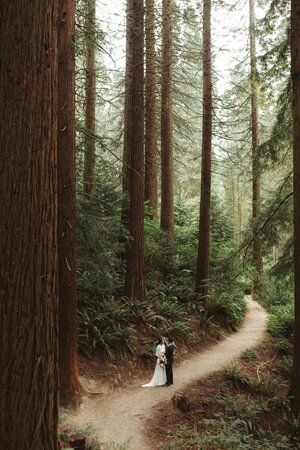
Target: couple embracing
[(163, 373)]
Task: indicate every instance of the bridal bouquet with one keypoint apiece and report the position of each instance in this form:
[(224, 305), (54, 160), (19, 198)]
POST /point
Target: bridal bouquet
[(162, 361)]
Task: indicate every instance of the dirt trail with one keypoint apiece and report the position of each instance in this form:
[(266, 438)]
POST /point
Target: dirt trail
[(118, 417)]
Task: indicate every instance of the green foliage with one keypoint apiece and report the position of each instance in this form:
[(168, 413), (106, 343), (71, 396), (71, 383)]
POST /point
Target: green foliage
[(98, 237), (226, 311), (277, 291), (104, 326), (283, 346), (238, 425), (120, 326), (235, 375), (281, 322), (250, 353), (286, 365)]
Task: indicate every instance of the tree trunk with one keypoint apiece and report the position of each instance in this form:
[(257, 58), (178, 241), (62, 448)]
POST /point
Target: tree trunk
[(202, 275), (90, 102), (257, 255), (295, 59), (151, 127), (240, 211), (66, 236), (135, 284), (167, 170), (28, 242), (127, 114)]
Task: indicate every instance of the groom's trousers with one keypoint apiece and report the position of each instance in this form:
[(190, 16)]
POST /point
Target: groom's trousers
[(169, 373)]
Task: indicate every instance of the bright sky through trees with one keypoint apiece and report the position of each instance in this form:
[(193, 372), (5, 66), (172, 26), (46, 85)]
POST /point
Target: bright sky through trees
[(229, 37)]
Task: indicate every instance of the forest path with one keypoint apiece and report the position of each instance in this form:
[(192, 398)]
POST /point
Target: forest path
[(118, 416)]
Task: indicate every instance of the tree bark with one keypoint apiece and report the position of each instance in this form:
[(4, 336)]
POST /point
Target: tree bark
[(127, 114), (167, 170), (151, 126), (90, 102), (256, 249), (295, 61), (202, 275), (28, 241), (135, 284), (240, 211), (66, 172)]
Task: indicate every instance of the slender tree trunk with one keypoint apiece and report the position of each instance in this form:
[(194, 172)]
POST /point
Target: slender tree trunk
[(127, 114), (295, 58), (151, 126), (135, 284), (202, 275), (240, 211), (167, 170), (28, 242), (66, 172), (257, 255), (90, 102)]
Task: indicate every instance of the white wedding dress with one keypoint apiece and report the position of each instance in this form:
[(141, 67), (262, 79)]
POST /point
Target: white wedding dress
[(159, 377)]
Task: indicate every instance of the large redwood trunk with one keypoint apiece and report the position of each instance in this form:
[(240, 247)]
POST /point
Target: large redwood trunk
[(90, 101), (151, 126), (257, 255), (66, 235), (135, 284), (295, 54), (202, 275), (28, 243), (167, 170)]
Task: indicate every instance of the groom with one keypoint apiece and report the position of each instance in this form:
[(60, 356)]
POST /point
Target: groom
[(169, 356)]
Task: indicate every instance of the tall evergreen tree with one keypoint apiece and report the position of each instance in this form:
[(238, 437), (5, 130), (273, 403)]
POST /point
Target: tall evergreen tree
[(135, 283), (66, 234), (202, 275), (257, 253), (167, 169), (295, 58), (90, 100), (127, 111), (28, 243), (150, 101)]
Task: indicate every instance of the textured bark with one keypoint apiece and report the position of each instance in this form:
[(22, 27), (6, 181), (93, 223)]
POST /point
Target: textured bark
[(90, 102), (135, 284), (66, 235), (202, 275), (28, 249), (295, 58), (240, 211), (167, 170), (256, 249), (151, 126), (127, 113)]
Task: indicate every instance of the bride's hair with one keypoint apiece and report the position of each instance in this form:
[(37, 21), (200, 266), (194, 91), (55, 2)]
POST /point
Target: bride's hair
[(160, 341)]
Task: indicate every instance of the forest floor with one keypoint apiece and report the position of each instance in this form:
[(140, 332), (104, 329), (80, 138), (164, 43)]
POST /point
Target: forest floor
[(121, 416)]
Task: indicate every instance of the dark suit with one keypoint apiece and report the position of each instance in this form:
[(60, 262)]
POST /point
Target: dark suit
[(169, 366)]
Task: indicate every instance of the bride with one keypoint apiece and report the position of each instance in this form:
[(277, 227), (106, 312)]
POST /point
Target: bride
[(159, 377)]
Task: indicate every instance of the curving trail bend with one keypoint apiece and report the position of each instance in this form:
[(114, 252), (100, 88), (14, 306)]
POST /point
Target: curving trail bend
[(118, 416)]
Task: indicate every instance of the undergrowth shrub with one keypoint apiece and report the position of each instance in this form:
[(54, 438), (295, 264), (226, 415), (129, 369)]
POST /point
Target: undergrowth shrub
[(237, 424), (117, 326), (281, 322), (228, 312), (276, 292), (236, 376), (249, 353)]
